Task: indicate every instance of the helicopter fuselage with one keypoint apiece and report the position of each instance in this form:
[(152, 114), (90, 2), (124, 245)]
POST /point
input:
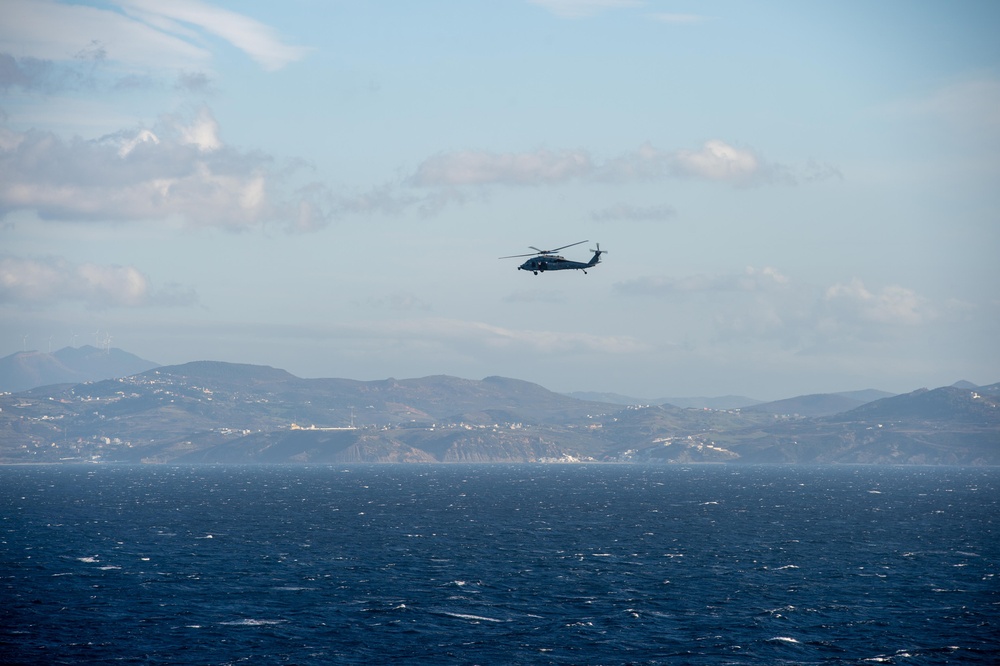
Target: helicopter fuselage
[(552, 262)]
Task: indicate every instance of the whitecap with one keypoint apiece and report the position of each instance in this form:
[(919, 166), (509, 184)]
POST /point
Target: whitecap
[(474, 618), (251, 622), (784, 639), (89, 560), (787, 609)]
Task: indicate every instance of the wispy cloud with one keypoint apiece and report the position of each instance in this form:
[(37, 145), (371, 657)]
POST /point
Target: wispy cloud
[(484, 335), (974, 102), (894, 305), (624, 211), (399, 301), (259, 41), (763, 305), (39, 282), (60, 32), (715, 160), (32, 74), (481, 168), (138, 33), (682, 19), (583, 8), (751, 279), (452, 336)]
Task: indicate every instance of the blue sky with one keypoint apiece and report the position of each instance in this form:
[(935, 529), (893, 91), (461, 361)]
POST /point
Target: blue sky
[(794, 197)]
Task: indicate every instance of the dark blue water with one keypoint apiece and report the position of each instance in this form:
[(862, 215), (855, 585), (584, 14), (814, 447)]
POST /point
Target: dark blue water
[(530, 564)]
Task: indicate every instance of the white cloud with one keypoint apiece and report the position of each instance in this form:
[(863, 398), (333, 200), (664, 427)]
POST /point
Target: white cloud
[(203, 132), (180, 170), (583, 8), (719, 161), (42, 282)]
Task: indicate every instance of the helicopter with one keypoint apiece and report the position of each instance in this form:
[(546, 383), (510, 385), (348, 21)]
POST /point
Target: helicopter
[(548, 260)]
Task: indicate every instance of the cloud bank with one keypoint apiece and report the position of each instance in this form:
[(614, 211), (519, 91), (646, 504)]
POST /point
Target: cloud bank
[(764, 304), (715, 161), (181, 169), (45, 281)]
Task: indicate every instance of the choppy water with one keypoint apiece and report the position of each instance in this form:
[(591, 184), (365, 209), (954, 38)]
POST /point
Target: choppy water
[(491, 564)]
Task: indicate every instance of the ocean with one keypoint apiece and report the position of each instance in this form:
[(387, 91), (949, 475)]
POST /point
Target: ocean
[(499, 564)]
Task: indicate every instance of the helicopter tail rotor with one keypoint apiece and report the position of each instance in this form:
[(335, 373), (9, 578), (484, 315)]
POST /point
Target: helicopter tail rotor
[(596, 259)]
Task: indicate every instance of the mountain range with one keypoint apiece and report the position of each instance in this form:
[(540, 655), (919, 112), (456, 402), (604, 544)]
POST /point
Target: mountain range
[(213, 412), (30, 369)]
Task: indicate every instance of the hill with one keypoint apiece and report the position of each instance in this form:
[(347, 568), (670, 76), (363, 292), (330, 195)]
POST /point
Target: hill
[(236, 413), (819, 404), (27, 370)]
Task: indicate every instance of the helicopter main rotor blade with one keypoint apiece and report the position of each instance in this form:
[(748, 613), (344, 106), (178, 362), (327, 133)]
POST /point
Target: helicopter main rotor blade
[(564, 247), (530, 254), (542, 252)]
